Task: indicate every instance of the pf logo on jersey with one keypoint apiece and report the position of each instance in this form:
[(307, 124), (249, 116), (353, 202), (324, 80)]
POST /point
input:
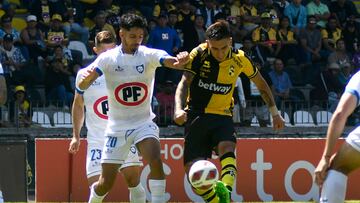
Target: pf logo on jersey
[(101, 107), (131, 94)]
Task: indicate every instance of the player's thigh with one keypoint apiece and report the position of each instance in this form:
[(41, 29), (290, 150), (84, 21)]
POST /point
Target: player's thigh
[(115, 149), (347, 158), (147, 141), (224, 137), (197, 143)]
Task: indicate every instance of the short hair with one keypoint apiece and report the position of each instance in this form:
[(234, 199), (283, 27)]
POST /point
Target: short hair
[(310, 16), (104, 37), (130, 20), (218, 31)]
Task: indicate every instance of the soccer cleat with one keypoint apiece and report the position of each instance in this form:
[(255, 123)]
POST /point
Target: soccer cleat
[(222, 192)]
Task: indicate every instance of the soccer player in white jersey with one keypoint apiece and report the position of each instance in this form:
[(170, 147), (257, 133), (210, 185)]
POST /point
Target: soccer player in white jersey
[(95, 102), (129, 71), (332, 171)]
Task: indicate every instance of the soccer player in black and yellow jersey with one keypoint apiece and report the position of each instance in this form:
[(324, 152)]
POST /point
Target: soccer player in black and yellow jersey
[(204, 103)]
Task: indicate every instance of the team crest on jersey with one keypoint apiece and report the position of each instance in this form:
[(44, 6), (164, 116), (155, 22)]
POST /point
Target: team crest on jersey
[(131, 94), (118, 69), (140, 68), (101, 107)]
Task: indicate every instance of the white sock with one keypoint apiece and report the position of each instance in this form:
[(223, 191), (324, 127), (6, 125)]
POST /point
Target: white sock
[(95, 198), (1, 197), (334, 187), (137, 194), (157, 189)]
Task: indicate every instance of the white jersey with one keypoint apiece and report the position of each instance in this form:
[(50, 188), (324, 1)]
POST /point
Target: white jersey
[(129, 81), (353, 86), (96, 105)]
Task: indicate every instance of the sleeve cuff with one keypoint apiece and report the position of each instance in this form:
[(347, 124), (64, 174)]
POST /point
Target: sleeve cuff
[(79, 91), (97, 69)]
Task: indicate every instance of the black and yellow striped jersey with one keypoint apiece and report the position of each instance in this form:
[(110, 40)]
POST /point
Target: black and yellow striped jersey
[(213, 84)]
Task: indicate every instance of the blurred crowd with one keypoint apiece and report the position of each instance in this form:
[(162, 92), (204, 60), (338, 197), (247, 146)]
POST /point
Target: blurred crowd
[(312, 44)]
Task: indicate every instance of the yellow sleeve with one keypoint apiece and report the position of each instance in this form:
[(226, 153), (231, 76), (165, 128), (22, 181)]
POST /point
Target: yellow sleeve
[(324, 34), (248, 68), (156, 11), (256, 35), (290, 36), (193, 63)]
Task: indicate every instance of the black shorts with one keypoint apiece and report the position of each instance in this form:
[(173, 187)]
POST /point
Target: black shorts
[(203, 132)]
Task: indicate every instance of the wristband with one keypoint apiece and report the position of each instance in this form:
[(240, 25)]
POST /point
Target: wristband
[(274, 111)]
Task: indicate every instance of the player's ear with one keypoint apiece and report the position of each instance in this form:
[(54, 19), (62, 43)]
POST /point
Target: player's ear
[(231, 41), (95, 50), (121, 33)]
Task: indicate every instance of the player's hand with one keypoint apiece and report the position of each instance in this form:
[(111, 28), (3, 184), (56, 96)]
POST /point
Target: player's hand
[(321, 171), (278, 122), (180, 117), (74, 145), (182, 59)]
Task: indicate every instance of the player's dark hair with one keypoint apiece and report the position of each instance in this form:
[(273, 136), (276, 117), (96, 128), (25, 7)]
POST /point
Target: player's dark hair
[(130, 20), (218, 31), (104, 37)]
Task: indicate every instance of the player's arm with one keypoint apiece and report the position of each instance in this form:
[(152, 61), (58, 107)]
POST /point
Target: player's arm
[(77, 113), (346, 106), (88, 77), (265, 92), (177, 62), (181, 94)]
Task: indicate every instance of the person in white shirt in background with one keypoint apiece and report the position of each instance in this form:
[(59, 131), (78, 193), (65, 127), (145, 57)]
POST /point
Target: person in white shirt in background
[(129, 71), (241, 98), (3, 98)]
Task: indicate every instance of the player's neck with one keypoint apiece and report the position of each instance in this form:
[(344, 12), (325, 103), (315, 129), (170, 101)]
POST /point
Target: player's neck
[(127, 50)]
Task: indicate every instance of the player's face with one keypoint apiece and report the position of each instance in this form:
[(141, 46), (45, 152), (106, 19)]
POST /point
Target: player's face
[(103, 47), (219, 48), (131, 39)]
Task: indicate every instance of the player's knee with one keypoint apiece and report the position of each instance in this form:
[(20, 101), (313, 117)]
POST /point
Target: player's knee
[(105, 184)]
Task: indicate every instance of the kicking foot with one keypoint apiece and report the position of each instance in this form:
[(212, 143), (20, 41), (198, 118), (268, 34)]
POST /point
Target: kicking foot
[(222, 192)]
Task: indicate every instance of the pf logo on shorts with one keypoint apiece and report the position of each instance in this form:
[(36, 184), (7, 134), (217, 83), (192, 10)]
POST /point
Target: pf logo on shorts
[(101, 107), (131, 94)]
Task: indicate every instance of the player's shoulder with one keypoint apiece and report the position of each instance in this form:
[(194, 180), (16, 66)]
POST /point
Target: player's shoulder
[(238, 54), (356, 77), (147, 50), (199, 50)]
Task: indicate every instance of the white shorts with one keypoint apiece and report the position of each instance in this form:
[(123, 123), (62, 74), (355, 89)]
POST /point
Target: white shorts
[(353, 139), (93, 159), (117, 144)]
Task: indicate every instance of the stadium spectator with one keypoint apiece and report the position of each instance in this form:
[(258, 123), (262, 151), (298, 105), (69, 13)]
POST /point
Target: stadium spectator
[(340, 56), (320, 11), (73, 19), (20, 109), (231, 8), (351, 35), (287, 47), (249, 15), (330, 35), (7, 28), (56, 35), (3, 88), (13, 62), (33, 39), (327, 88), (356, 58), (282, 84), (265, 37), (57, 85), (310, 39), (164, 6), (267, 6), (297, 15), (343, 10), (208, 11), (281, 5), (186, 18), (165, 38), (237, 31), (100, 25)]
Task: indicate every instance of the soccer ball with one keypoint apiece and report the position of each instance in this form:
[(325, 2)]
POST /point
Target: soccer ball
[(203, 174)]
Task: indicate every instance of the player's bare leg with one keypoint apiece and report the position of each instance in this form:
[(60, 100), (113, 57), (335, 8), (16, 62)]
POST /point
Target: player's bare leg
[(106, 181), (132, 178), (346, 160), (150, 150)]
